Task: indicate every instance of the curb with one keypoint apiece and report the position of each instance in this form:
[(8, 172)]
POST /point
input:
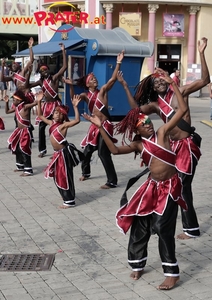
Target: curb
[(208, 123)]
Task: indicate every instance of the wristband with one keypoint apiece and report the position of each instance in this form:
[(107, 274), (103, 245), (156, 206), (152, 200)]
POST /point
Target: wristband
[(118, 62), (30, 46)]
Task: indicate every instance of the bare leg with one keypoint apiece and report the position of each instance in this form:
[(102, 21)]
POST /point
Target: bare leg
[(136, 274), (168, 283)]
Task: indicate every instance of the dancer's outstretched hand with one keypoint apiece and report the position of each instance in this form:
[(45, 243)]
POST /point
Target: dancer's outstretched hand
[(93, 119)]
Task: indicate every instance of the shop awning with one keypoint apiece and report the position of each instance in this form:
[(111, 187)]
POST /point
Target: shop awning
[(50, 48), (110, 42)]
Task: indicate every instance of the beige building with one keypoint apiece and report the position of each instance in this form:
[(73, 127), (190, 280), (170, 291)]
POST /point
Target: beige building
[(173, 27), (16, 17)]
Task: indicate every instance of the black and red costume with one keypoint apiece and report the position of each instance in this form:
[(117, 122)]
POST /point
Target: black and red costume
[(29, 95), (48, 108), (2, 127), (93, 141), (153, 206), (20, 142), (187, 156), (61, 167)]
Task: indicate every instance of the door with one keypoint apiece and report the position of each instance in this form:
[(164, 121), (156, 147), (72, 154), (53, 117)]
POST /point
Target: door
[(168, 57)]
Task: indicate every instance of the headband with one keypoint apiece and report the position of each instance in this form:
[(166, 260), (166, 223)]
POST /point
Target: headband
[(16, 63), (17, 98), (142, 119), (88, 78), (63, 110), (43, 68)]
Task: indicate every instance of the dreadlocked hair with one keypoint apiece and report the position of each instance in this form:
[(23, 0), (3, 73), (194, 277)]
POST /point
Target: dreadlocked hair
[(144, 91), (81, 82), (128, 125)]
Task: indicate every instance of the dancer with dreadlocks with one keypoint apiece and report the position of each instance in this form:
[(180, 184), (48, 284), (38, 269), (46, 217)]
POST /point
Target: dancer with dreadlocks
[(155, 204), (97, 102), (49, 84), (154, 96)]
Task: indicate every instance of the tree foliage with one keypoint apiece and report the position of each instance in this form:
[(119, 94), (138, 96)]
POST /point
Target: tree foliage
[(8, 48)]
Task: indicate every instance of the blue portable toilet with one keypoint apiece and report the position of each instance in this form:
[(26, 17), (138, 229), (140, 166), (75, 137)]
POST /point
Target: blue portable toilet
[(98, 50)]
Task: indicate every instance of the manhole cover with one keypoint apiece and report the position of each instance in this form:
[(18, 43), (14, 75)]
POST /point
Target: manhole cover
[(26, 262)]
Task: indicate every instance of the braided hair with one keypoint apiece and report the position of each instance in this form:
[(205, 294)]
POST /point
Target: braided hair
[(145, 93), (128, 125)]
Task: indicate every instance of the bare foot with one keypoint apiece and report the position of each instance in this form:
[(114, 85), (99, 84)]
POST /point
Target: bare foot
[(42, 154), (136, 274), (26, 174), (168, 283), (66, 206), (105, 187), (18, 170), (183, 236), (83, 178)]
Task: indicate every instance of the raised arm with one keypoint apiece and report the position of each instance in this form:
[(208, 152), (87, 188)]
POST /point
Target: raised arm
[(120, 78), (31, 54), (75, 101), (106, 87), (111, 146), (196, 85), (146, 109), (70, 83), (182, 105), (7, 109), (28, 67), (64, 66)]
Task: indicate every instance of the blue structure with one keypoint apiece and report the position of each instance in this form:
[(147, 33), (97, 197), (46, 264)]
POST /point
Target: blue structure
[(99, 47)]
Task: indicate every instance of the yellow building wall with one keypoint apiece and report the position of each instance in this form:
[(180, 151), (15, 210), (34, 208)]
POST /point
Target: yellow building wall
[(203, 28)]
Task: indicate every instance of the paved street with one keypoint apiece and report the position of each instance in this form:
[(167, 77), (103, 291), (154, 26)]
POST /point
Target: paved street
[(90, 252)]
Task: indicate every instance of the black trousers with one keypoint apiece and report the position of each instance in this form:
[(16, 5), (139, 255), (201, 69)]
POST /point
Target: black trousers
[(42, 137), (140, 233), (105, 157), (189, 217), (68, 195), (23, 161)]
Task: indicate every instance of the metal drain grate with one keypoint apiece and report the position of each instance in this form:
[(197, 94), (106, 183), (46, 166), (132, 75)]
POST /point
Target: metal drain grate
[(26, 262)]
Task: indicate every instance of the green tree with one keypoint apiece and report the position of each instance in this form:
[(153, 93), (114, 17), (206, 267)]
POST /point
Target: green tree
[(9, 47)]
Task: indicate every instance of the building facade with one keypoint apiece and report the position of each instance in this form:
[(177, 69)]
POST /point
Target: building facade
[(173, 28)]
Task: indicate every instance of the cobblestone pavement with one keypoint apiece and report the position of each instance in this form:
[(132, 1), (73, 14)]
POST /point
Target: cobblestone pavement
[(90, 252)]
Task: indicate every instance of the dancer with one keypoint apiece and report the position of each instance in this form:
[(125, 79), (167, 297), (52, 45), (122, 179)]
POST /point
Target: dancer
[(50, 85), (20, 140), (97, 101), (21, 79), (155, 204), (154, 96), (64, 158)]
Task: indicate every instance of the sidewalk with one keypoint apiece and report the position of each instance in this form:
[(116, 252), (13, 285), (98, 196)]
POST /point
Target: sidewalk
[(90, 252)]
